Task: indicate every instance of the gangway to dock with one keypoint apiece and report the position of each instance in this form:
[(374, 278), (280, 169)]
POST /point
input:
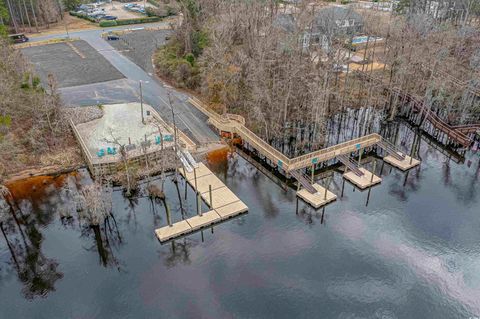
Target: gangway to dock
[(190, 158), (184, 161), (350, 164), (397, 158), (391, 150), (303, 181)]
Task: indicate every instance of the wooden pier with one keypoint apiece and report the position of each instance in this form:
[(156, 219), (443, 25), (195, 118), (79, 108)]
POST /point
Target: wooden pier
[(457, 134), (224, 204), (235, 125)]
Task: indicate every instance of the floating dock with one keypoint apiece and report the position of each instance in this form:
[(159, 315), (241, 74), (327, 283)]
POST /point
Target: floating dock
[(404, 165), (225, 204), (320, 198), (368, 179)]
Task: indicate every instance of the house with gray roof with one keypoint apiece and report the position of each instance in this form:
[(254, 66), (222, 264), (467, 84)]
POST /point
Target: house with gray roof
[(333, 22)]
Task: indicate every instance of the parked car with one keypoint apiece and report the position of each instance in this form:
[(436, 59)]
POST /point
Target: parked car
[(97, 16), (18, 38), (109, 18), (112, 37)]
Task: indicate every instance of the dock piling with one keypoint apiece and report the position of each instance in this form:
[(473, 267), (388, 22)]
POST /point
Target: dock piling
[(373, 171), (313, 173), (326, 189), (199, 205), (169, 218), (210, 195)]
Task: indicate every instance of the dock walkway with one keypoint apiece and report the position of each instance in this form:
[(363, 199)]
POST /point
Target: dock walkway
[(314, 194), (223, 204), (455, 133)]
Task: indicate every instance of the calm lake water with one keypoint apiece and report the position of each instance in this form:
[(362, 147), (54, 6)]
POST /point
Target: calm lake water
[(412, 252)]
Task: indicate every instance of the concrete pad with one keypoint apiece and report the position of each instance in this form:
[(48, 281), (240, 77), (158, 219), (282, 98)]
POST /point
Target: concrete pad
[(207, 219), (169, 232), (364, 181), (403, 165), (124, 123), (220, 197), (232, 209), (318, 199)]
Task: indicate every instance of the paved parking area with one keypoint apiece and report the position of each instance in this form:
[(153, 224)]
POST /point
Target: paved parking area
[(72, 63), (139, 46)]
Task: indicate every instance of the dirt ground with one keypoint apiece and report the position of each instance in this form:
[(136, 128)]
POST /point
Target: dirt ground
[(72, 63), (117, 9), (73, 24)]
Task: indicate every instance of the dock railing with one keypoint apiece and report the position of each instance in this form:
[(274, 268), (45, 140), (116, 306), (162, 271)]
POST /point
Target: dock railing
[(234, 124)]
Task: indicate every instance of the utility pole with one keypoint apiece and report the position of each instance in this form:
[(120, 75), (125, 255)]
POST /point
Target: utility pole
[(141, 99)]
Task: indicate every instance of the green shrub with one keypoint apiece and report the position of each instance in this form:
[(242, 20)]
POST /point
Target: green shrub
[(108, 23), (137, 20), (345, 1), (190, 59), (182, 70), (83, 16), (200, 42)]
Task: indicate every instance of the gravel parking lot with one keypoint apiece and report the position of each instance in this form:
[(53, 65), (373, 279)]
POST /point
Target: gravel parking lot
[(72, 64), (139, 46)]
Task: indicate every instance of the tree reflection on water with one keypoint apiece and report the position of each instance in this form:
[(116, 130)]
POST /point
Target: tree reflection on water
[(37, 272)]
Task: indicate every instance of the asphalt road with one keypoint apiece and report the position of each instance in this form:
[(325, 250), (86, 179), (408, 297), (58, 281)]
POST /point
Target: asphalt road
[(155, 93)]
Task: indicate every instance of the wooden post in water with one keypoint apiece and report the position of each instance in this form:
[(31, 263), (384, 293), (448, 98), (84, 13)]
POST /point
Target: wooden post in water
[(186, 189), (326, 189), (343, 186), (313, 172), (199, 205), (360, 156), (374, 167), (195, 177), (210, 194), (169, 218)]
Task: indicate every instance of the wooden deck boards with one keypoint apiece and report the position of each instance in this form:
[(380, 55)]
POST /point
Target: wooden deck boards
[(364, 181), (225, 205), (318, 199), (208, 218), (404, 165)]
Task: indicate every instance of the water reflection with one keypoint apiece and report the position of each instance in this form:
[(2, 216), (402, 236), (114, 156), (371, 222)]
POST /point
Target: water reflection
[(408, 245), (35, 271)]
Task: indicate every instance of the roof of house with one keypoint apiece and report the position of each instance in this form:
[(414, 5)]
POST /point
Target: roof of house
[(286, 22), (327, 18)]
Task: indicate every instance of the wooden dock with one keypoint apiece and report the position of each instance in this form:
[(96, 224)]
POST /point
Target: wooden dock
[(405, 164), (235, 124), (367, 179), (321, 198), (224, 204)]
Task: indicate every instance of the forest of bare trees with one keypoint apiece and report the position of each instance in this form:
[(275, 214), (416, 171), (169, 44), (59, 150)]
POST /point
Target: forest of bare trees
[(30, 15), (33, 127), (242, 59)]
